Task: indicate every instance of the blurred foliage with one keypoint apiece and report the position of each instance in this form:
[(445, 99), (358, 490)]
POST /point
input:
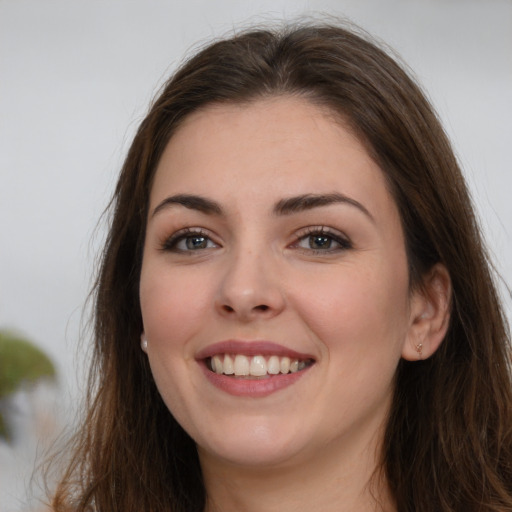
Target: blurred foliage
[(21, 363)]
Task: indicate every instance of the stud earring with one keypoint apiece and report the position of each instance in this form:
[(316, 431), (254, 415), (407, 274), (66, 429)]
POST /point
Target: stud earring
[(419, 349), (144, 344)]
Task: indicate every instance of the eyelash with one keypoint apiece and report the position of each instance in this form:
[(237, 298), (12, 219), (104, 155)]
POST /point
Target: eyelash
[(343, 244), (171, 243)]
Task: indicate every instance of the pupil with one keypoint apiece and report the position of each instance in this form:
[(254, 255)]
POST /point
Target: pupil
[(196, 242), (320, 242)]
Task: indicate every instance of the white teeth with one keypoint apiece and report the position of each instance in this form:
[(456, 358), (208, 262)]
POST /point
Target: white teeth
[(285, 364), (229, 368), (256, 366), (241, 365), (217, 364), (273, 366)]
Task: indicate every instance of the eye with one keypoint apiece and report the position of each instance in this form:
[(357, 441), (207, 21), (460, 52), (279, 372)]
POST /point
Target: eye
[(322, 240), (189, 240)]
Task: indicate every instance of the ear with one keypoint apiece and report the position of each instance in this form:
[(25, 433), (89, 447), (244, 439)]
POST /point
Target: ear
[(429, 315)]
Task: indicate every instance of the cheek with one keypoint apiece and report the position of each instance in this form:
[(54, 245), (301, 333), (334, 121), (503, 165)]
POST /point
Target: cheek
[(360, 309), (172, 304)]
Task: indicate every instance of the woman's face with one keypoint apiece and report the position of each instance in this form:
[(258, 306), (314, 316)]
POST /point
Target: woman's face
[(273, 249)]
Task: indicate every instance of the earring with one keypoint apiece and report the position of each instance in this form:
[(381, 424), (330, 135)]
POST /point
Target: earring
[(419, 349), (144, 344)]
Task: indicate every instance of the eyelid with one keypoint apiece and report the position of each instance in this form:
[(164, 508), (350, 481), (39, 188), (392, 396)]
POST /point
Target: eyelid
[(343, 241), (169, 243)]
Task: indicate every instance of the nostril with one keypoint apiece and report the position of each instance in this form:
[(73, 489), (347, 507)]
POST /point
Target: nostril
[(230, 309)]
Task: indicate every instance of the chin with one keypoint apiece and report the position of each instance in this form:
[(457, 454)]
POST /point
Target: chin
[(258, 446), (249, 457)]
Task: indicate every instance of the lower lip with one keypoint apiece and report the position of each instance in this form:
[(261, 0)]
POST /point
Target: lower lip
[(256, 388)]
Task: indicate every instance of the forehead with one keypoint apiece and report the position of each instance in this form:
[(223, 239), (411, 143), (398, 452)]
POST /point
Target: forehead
[(283, 145)]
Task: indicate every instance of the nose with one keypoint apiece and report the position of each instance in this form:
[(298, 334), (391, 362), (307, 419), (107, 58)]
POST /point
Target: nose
[(250, 287)]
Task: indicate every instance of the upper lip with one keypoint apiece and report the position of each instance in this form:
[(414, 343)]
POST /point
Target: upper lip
[(251, 348)]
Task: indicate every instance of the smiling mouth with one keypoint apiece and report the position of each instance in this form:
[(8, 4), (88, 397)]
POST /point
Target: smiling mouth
[(255, 367)]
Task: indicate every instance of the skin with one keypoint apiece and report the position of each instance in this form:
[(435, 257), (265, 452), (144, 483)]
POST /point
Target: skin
[(259, 275)]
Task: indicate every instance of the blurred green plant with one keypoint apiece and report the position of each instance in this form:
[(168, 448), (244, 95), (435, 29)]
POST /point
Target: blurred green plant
[(21, 364)]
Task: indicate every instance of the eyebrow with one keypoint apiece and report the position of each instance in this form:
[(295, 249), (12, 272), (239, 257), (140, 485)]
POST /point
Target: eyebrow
[(287, 206), (192, 202), (309, 201)]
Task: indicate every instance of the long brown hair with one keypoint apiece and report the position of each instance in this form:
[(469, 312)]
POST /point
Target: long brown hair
[(448, 443)]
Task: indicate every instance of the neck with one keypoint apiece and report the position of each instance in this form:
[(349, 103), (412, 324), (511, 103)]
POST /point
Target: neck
[(327, 482)]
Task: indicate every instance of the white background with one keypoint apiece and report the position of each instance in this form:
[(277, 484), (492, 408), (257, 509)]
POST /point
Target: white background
[(76, 77)]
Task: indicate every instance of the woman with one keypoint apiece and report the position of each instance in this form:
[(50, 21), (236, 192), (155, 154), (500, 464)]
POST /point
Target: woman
[(294, 307)]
